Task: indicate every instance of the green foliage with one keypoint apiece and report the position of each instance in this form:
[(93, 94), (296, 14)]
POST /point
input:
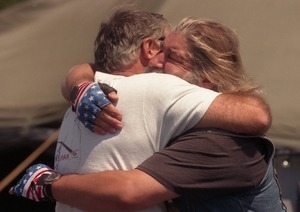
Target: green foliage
[(8, 3)]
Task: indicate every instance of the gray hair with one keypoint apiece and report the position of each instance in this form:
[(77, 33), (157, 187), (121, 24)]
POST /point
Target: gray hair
[(118, 43)]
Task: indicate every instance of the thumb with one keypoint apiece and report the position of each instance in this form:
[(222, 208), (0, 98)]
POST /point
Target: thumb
[(113, 97), (11, 191)]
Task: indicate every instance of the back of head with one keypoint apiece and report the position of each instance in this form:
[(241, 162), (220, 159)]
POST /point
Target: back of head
[(214, 52), (118, 42)]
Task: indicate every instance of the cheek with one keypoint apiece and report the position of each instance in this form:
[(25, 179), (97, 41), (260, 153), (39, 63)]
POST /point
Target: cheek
[(168, 69), (156, 61), (174, 70)]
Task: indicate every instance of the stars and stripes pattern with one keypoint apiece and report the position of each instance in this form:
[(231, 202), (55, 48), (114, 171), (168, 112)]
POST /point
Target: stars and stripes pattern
[(76, 96), (90, 104), (31, 185)]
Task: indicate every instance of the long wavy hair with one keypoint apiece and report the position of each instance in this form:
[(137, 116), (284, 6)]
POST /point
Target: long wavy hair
[(215, 56)]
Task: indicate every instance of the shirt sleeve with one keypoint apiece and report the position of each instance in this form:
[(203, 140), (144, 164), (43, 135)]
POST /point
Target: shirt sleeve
[(203, 165)]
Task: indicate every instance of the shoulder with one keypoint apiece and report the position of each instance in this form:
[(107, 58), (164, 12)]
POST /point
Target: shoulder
[(162, 81), (160, 77), (106, 78)]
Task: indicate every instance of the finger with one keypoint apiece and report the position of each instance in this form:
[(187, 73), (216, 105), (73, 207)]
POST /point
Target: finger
[(102, 128), (11, 191), (113, 97), (106, 88), (113, 112), (105, 122), (109, 120), (99, 130)]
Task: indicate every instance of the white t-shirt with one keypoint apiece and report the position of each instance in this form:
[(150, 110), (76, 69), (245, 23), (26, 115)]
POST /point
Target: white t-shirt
[(155, 107)]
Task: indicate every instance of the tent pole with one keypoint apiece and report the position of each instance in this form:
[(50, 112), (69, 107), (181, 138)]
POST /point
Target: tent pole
[(13, 174)]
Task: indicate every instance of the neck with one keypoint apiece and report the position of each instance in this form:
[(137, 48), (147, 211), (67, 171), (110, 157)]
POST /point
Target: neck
[(136, 68)]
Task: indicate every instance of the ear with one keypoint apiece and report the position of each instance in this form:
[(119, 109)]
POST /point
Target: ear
[(149, 48)]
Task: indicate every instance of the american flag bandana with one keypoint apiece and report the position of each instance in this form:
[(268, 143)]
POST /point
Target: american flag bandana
[(90, 104), (31, 186)]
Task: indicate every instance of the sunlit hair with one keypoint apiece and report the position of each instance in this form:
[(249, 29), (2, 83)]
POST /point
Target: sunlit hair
[(214, 55), (117, 46)]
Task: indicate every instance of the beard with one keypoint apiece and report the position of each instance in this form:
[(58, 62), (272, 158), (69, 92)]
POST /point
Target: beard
[(191, 78), (153, 69)]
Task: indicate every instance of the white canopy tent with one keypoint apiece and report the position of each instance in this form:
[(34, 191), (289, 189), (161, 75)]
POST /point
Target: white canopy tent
[(41, 40)]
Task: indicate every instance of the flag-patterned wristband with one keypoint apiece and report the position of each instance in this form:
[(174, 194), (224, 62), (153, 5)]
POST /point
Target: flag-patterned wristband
[(76, 94), (90, 105), (32, 184)]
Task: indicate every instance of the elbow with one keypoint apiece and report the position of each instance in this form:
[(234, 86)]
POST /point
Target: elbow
[(263, 121), (122, 199), (263, 117), (129, 198)]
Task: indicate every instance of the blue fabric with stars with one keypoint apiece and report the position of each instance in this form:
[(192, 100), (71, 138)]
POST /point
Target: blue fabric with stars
[(29, 186), (90, 105)]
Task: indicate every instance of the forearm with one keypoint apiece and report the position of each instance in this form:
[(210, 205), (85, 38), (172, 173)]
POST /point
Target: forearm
[(110, 191), (238, 113), (83, 192), (75, 76)]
